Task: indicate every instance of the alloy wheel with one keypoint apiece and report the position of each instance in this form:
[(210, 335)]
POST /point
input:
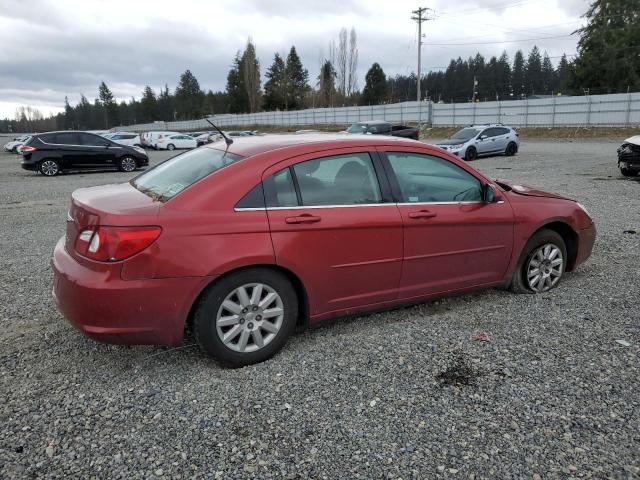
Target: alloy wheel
[(545, 268), (250, 317), (128, 164), (49, 168)]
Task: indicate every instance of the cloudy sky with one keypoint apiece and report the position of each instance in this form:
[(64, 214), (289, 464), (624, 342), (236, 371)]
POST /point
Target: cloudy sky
[(53, 48)]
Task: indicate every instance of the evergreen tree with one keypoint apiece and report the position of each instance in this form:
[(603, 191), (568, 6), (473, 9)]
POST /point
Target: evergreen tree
[(109, 106), (327, 84), (68, 115), (549, 83), (609, 48), (276, 85), (83, 115), (503, 85), (148, 105), (563, 75), (188, 97), (251, 75), (533, 73), (166, 109), (375, 89), (236, 91), (518, 76), (297, 81)]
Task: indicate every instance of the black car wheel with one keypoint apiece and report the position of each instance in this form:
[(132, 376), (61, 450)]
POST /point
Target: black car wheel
[(511, 150), (127, 164), (171, 146), (471, 154), (246, 317), (628, 173), (49, 168)]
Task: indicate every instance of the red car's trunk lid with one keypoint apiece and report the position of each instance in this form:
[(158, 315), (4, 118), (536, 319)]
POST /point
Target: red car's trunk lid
[(115, 205), (527, 190)]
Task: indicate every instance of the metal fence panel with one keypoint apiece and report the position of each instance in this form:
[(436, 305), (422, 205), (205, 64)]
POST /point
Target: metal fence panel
[(622, 109)]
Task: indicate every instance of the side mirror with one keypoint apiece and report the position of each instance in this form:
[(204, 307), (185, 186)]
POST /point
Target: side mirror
[(482, 137), (488, 193)]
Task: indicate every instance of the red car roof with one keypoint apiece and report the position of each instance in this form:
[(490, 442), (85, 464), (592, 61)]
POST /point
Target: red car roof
[(254, 145)]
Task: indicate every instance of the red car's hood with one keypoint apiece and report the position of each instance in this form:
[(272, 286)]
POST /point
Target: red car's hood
[(527, 190)]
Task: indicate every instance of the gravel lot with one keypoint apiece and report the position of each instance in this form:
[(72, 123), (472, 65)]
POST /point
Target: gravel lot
[(552, 394)]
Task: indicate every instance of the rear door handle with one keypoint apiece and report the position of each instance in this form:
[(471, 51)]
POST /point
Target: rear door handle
[(422, 214), (305, 218)]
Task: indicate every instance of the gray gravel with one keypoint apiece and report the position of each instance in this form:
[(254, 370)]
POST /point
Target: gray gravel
[(402, 394)]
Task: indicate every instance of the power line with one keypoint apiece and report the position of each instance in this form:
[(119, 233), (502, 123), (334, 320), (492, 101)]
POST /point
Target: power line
[(498, 41)]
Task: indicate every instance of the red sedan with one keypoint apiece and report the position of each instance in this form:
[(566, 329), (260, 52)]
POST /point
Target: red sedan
[(246, 242)]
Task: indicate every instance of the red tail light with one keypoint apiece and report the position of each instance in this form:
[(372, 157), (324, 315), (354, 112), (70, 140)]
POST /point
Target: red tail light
[(28, 149), (112, 244)]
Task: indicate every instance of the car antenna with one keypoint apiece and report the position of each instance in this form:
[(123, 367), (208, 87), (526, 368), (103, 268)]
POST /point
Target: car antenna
[(227, 140)]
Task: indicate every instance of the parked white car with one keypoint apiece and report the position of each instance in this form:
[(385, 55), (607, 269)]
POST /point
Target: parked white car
[(150, 139), (125, 138), (481, 140), (177, 141), (13, 145)]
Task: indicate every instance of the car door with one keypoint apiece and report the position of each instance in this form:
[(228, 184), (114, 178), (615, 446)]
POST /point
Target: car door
[(500, 139), (71, 150), (99, 151), (334, 224), (452, 238), (485, 141)]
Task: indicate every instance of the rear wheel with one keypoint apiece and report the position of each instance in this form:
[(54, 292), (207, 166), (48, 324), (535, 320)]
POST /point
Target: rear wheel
[(511, 150), (542, 263), (49, 168), (127, 164), (471, 154), (627, 173), (246, 317), (171, 146)]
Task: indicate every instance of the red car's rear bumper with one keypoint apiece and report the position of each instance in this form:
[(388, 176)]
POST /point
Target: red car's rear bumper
[(108, 309)]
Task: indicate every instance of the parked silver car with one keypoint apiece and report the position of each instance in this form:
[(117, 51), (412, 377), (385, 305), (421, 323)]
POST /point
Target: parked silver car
[(481, 140)]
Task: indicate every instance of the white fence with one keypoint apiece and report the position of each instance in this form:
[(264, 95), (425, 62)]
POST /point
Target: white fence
[(584, 111)]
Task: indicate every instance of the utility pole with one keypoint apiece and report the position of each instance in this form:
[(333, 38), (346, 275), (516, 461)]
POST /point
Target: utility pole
[(475, 89), (420, 16)]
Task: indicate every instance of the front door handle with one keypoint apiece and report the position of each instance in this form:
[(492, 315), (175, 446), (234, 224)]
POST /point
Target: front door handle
[(422, 214), (304, 218)]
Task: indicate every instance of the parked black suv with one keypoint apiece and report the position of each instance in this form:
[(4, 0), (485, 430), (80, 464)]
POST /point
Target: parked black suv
[(52, 152)]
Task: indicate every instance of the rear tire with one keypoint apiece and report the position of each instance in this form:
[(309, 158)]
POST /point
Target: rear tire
[(127, 164), (511, 149), (471, 154), (628, 173), (171, 146), (49, 167), (231, 323), (539, 258)]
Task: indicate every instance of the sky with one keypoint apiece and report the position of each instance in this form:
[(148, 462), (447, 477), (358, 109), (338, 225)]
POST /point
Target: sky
[(50, 49)]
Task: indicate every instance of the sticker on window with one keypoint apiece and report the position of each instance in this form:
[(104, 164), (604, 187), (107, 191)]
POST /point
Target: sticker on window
[(413, 199)]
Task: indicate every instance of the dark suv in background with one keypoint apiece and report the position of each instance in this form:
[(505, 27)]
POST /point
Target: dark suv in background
[(53, 152)]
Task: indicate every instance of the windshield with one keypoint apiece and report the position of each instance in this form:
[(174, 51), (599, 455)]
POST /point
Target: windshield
[(466, 133), (357, 128), (171, 177)]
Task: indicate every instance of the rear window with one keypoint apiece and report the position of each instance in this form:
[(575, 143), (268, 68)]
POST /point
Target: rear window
[(171, 177)]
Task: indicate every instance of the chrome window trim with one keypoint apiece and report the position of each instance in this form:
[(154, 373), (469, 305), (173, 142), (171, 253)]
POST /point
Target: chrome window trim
[(403, 204), (74, 145)]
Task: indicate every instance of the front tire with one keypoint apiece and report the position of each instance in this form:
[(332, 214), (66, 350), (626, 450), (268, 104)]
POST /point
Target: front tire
[(627, 173), (471, 154), (127, 164), (246, 317), (49, 167), (542, 263)]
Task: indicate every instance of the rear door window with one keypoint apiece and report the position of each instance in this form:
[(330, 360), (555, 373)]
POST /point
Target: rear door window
[(340, 180), (70, 138), (280, 190)]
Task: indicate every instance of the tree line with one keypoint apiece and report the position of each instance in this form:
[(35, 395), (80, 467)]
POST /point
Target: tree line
[(608, 61)]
